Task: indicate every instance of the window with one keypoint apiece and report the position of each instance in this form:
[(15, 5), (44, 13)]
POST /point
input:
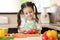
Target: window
[(8, 6)]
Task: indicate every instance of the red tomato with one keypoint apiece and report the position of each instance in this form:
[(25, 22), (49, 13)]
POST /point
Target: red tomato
[(45, 33), (7, 34), (52, 38), (34, 31), (29, 32), (44, 38)]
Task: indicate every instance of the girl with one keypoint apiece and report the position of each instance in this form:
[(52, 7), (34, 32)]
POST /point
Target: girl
[(30, 20)]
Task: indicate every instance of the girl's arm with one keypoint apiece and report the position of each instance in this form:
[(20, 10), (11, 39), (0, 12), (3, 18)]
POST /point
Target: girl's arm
[(21, 27)]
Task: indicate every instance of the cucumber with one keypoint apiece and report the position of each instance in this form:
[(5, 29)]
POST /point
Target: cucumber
[(7, 38)]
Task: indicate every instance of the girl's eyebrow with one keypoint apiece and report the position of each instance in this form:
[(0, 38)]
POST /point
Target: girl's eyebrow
[(30, 11)]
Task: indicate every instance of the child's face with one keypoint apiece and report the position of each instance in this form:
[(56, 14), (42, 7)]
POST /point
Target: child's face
[(29, 13)]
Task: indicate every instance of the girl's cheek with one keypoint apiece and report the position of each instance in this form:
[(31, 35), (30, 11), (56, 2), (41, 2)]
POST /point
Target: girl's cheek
[(26, 16)]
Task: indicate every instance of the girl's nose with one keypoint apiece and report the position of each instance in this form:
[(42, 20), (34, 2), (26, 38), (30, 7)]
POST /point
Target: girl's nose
[(28, 13)]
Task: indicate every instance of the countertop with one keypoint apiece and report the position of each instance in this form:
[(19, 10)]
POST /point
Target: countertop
[(52, 26)]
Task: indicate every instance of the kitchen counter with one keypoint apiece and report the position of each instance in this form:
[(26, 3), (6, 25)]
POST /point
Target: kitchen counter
[(52, 26)]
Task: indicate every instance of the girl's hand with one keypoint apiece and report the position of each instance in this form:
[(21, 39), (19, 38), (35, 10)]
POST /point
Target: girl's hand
[(21, 30)]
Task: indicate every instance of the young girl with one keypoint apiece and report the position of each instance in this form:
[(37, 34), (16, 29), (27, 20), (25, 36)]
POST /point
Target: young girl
[(30, 20)]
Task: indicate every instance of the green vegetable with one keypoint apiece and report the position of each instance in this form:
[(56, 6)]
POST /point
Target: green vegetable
[(58, 35), (7, 38)]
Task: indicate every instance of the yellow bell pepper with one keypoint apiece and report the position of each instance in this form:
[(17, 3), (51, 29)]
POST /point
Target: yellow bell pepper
[(2, 32), (51, 33)]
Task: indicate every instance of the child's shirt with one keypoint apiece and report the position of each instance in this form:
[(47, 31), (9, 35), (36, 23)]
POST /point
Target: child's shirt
[(29, 24)]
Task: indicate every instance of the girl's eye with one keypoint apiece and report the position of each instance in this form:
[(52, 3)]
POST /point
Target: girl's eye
[(26, 13), (30, 12)]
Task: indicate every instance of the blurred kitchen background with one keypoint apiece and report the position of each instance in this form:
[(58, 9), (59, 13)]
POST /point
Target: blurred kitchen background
[(10, 8)]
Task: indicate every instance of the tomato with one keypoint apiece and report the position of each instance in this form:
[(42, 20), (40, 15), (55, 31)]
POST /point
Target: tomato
[(52, 38), (44, 37), (7, 34), (34, 31), (29, 32), (45, 33)]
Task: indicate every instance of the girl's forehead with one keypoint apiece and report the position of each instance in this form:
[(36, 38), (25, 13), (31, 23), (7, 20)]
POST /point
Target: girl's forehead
[(27, 9)]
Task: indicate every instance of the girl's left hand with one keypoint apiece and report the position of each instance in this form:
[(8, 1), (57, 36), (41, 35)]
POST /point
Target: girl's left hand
[(26, 30)]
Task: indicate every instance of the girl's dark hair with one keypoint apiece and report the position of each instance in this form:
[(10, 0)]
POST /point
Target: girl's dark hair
[(27, 4)]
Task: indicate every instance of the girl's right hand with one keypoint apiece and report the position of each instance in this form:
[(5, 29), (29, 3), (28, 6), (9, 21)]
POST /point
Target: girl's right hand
[(21, 30)]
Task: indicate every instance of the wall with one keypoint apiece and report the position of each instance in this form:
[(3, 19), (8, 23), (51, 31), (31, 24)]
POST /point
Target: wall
[(12, 20), (56, 2), (8, 5)]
